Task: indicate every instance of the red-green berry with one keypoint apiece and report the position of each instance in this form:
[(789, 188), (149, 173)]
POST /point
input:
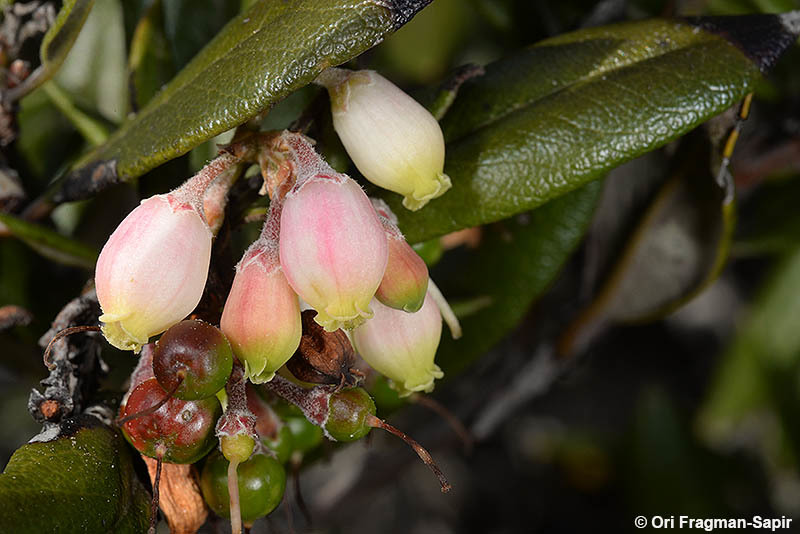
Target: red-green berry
[(181, 431), (261, 481), (194, 359)]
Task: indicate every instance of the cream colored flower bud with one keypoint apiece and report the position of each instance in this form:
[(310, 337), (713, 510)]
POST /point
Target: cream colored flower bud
[(394, 141)]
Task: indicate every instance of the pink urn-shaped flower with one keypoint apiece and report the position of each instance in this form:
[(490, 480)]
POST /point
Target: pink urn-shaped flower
[(152, 270), (333, 248), (261, 318), (402, 346)]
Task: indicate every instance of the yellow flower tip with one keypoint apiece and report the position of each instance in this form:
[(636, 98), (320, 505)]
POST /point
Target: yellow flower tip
[(116, 334), (418, 199), (332, 320), (420, 384), (259, 377)]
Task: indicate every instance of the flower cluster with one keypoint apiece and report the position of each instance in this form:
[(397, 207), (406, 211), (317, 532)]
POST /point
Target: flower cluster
[(325, 245)]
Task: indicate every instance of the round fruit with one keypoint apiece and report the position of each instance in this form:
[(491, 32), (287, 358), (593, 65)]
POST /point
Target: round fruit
[(348, 413), (181, 431), (305, 434), (262, 481), (282, 445), (194, 359)]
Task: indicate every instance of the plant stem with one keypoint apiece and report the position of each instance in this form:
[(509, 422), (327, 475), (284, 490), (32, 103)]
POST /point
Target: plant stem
[(233, 492)]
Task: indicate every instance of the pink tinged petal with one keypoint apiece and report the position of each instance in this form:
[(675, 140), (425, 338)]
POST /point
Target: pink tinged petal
[(152, 271), (333, 249), (405, 280), (402, 346), (261, 318)]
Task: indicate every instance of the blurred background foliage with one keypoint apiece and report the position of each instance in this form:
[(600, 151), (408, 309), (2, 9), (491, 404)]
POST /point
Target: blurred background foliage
[(692, 408)]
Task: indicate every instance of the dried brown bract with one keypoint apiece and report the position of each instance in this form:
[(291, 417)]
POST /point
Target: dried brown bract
[(324, 357)]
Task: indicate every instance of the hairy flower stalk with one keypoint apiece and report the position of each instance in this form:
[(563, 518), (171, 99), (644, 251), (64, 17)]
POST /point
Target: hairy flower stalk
[(394, 141), (333, 248), (402, 346), (152, 270), (261, 317), (215, 198), (405, 281)]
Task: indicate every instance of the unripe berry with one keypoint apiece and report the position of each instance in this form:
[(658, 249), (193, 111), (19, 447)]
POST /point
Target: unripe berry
[(261, 482), (306, 436), (193, 360), (282, 444), (349, 411), (236, 448)]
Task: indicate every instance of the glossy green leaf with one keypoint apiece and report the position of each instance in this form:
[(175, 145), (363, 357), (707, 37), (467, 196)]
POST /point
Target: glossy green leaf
[(83, 481), (565, 111), (513, 266), (259, 58), (50, 244), (56, 44)]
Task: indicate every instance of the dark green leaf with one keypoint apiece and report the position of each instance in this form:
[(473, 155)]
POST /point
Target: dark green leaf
[(83, 481), (514, 264), (50, 244), (257, 59), (564, 112)]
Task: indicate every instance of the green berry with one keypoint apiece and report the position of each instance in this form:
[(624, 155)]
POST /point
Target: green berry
[(237, 448), (262, 481), (349, 413), (282, 445), (305, 434)]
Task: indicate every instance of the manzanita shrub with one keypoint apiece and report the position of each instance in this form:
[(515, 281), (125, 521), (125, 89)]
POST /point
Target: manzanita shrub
[(338, 240)]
